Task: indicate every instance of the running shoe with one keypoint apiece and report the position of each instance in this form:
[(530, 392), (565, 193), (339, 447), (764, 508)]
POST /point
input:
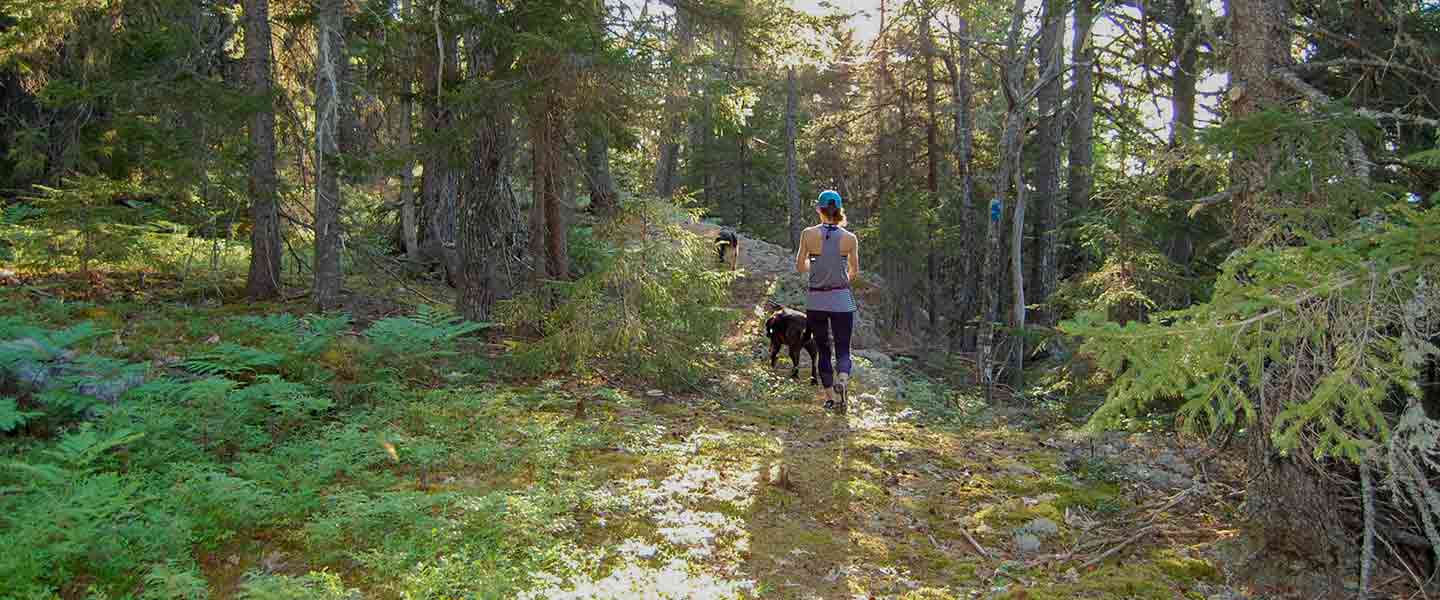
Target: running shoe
[(842, 391)]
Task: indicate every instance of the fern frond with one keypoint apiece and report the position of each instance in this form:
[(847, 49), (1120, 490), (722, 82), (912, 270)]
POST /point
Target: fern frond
[(231, 359), (84, 446), (11, 417), (424, 334), (275, 323)]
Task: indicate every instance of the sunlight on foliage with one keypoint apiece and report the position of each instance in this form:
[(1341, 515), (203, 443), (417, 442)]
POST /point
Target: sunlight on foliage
[(653, 308)]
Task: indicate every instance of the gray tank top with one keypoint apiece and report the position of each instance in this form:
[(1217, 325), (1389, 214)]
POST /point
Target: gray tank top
[(829, 275)]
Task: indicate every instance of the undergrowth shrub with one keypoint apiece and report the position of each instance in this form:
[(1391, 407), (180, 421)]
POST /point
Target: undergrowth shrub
[(653, 307), (75, 518), (50, 380), (311, 586), (1319, 344), (401, 344)]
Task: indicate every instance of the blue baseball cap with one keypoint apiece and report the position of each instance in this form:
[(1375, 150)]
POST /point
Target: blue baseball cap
[(830, 198)]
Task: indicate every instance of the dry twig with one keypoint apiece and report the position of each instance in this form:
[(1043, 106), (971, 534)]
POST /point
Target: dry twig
[(1111, 552)]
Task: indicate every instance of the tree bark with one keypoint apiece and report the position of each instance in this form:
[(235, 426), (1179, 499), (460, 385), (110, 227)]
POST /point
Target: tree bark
[(969, 265), (440, 182), (1179, 181), (882, 112), (792, 183), (1082, 103), (408, 224), (1017, 269), (740, 62), (263, 281), (557, 250), (1045, 275), (1289, 499), (604, 200), (1013, 72), (667, 166), (330, 105), (933, 160), (547, 226), (480, 207)]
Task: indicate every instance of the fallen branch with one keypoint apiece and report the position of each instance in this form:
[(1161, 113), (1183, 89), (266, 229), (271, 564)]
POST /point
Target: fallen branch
[(978, 548), (1168, 505), (1111, 552)]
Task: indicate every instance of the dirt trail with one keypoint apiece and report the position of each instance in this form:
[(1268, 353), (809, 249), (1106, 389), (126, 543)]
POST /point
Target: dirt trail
[(754, 489)]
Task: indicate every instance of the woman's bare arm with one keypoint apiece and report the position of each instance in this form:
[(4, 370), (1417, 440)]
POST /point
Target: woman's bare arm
[(854, 270), (802, 258)]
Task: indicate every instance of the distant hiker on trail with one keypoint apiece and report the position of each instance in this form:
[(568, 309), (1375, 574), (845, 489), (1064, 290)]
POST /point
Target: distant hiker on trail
[(831, 255)]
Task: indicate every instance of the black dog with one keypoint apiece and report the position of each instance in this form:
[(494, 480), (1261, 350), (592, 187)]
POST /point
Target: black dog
[(786, 327), (727, 247)]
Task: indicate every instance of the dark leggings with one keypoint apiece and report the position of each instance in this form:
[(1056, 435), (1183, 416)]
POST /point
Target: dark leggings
[(820, 323)]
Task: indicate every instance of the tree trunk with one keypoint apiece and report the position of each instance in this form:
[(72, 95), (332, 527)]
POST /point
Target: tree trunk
[(1017, 268), (1179, 181), (480, 208), (990, 285), (963, 142), (263, 281), (792, 183), (933, 160), (739, 64), (882, 112), (408, 225), (1289, 499), (1013, 73), (1045, 276), (667, 166), (604, 200), (330, 106), (1082, 103), (557, 250), (436, 224), (547, 224), (539, 267)]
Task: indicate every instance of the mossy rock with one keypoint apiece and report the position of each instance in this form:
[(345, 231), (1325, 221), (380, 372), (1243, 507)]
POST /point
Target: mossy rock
[(1186, 569), (861, 490), (1091, 497), (1014, 513)]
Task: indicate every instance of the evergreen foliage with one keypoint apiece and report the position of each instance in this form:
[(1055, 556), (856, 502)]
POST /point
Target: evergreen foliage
[(652, 308)]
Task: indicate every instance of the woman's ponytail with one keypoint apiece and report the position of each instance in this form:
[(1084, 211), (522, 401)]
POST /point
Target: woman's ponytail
[(830, 207)]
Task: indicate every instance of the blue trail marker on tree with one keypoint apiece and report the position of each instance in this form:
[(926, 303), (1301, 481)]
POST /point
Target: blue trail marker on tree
[(995, 210)]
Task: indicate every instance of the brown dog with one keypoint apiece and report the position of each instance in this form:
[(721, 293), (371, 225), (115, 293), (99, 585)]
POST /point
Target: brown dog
[(727, 248), (786, 327)]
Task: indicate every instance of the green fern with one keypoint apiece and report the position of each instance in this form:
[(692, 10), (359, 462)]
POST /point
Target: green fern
[(320, 331), (312, 586), (11, 417), (271, 324), (30, 343), (229, 359), (80, 449), (15, 214), (423, 334), (296, 337)]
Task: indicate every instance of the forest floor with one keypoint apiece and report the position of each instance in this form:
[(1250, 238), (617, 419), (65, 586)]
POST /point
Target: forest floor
[(741, 487)]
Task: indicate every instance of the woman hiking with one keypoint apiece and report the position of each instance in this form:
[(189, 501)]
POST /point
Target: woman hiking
[(831, 255)]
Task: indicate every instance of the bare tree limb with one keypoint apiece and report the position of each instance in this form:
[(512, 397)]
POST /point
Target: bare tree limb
[(1197, 205), (1359, 165)]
